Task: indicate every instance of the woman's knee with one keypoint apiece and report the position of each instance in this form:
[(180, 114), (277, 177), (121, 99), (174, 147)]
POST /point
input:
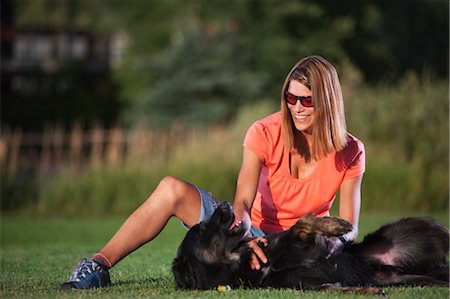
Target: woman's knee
[(180, 197), (173, 188)]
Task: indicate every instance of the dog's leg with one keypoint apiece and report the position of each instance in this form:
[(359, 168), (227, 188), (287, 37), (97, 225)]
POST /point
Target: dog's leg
[(309, 226), (357, 290), (393, 279)]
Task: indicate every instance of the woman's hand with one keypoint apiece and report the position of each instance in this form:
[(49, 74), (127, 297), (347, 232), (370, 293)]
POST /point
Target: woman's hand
[(258, 253), (334, 246), (244, 221)]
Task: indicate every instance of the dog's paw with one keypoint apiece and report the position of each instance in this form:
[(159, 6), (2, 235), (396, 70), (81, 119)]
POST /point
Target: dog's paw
[(304, 228), (308, 226), (332, 226)]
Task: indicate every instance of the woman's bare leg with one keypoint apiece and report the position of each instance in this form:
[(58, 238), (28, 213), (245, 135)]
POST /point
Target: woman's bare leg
[(172, 197)]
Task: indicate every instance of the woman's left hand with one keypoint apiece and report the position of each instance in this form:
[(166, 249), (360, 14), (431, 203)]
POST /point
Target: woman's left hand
[(258, 254), (334, 246)]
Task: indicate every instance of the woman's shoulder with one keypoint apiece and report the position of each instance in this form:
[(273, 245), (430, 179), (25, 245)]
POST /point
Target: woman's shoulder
[(263, 135), (271, 121), (353, 143), (267, 129), (351, 154), (269, 126)]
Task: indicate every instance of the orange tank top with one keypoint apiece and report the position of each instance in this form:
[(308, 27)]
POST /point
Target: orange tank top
[(282, 199)]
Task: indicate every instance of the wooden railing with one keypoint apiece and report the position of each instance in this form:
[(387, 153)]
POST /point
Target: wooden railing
[(56, 147)]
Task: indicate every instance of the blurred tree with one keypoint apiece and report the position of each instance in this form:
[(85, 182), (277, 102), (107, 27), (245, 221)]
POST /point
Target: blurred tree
[(222, 55), (200, 80), (391, 38), (197, 61)]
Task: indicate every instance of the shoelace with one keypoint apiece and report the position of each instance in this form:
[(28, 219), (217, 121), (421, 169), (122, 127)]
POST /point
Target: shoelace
[(82, 268)]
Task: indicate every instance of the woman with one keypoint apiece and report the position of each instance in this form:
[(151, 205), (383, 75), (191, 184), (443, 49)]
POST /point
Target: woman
[(294, 163)]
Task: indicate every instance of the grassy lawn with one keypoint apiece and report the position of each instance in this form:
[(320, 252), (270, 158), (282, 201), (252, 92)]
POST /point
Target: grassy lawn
[(39, 254)]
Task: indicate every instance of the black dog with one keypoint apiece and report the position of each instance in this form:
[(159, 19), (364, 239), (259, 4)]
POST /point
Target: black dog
[(411, 251)]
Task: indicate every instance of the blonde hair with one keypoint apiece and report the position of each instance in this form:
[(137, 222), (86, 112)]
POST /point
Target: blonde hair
[(330, 131)]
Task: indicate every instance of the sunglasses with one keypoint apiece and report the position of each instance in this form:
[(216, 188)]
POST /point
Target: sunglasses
[(306, 101)]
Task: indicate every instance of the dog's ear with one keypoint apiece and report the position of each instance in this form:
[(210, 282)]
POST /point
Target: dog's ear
[(179, 270), (186, 277)]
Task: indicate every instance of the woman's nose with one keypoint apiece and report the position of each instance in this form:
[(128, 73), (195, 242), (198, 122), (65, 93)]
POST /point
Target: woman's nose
[(299, 107)]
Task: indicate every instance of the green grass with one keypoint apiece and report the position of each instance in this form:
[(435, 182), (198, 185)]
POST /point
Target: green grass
[(38, 254)]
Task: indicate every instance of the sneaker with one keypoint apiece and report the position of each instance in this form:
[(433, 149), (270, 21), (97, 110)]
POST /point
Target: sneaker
[(88, 274)]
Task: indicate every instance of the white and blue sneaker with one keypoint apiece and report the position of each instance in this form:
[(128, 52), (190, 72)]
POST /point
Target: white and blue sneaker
[(88, 274)]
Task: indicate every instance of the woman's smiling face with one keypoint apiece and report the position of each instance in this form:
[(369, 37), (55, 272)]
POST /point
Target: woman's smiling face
[(302, 117)]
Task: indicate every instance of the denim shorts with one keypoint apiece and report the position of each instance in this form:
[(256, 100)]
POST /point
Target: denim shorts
[(210, 204)]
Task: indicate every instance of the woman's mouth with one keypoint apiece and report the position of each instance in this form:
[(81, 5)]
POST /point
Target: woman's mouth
[(301, 117)]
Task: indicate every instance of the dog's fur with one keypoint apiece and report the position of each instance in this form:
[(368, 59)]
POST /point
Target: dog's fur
[(411, 251)]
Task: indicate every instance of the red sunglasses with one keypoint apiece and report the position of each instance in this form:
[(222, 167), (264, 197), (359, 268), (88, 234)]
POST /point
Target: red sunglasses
[(306, 101)]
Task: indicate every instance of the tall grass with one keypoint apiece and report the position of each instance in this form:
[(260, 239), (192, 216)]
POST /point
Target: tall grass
[(406, 133), (404, 129), (209, 160)]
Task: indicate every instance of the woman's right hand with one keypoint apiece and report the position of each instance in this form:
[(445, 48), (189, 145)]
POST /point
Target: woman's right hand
[(258, 253)]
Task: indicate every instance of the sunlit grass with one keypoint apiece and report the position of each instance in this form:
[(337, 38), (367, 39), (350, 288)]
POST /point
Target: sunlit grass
[(37, 254)]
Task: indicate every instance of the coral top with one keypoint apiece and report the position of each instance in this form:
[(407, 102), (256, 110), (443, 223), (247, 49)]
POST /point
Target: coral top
[(282, 199)]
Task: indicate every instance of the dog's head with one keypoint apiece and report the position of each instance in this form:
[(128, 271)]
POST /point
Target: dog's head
[(207, 255)]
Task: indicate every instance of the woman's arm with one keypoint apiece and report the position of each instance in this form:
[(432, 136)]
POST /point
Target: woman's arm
[(247, 185), (350, 204), (349, 207)]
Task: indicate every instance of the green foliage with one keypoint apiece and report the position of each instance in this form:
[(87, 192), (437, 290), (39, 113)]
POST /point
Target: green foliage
[(39, 253), (253, 44), (200, 80), (407, 140), (216, 62), (404, 129), (199, 61)]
